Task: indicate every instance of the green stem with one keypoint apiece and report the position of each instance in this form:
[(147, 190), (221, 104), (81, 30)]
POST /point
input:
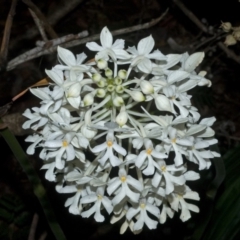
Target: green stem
[(38, 188)]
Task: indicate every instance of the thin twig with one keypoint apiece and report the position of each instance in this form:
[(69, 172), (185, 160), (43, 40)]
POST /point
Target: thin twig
[(39, 25), (43, 48), (33, 227), (229, 52), (194, 19), (63, 8), (41, 16), (191, 15), (51, 46), (6, 34)]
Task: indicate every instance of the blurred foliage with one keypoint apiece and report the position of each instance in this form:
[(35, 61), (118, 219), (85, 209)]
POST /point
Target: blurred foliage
[(15, 218)]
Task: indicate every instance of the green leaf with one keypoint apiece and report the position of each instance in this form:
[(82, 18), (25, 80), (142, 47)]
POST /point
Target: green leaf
[(225, 220)]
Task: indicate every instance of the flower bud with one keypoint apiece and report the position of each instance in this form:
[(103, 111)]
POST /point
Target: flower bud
[(230, 40), (102, 82), (89, 99), (226, 26), (108, 72), (236, 35), (118, 101), (102, 64), (163, 103), (96, 77), (117, 80), (119, 89), (122, 118), (101, 93), (122, 74), (73, 90), (146, 87), (88, 133), (110, 88), (136, 95)]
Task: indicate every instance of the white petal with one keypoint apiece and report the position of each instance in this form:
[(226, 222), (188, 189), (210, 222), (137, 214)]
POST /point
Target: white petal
[(70, 152), (187, 86), (81, 57), (131, 213), (106, 38), (113, 185), (119, 149), (163, 103), (192, 195), (195, 129), (145, 45), (119, 197), (89, 212), (153, 210), (107, 204), (56, 76), (53, 144), (89, 198), (66, 56), (145, 65), (191, 175), (157, 55), (75, 102), (118, 44), (94, 47), (40, 93), (176, 76), (121, 54), (99, 148), (149, 222), (193, 208), (193, 61), (156, 179), (208, 121), (134, 183)]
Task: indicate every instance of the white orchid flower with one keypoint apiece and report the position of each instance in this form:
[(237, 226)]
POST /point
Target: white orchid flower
[(108, 48)]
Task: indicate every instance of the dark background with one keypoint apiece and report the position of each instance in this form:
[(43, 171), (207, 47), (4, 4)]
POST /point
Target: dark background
[(222, 100)]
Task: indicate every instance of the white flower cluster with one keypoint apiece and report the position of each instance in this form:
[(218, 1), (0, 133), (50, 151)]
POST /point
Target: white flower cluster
[(118, 131)]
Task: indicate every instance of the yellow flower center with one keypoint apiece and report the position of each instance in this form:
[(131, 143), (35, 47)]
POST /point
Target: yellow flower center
[(109, 143), (179, 196), (142, 205), (149, 151), (174, 140), (99, 197), (123, 178), (163, 168), (64, 143)]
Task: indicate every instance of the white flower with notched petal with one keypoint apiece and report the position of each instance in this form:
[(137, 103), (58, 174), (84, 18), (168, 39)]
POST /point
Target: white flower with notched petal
[(149, 153), (143, 217), (199, 155), (177, 145), (108, 146), (108, 48), (124, 181), (98, 199), (141, 56), (177, 201), (166, 172), (61, 149), (117, 216), (73, 202), (74, 65)]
